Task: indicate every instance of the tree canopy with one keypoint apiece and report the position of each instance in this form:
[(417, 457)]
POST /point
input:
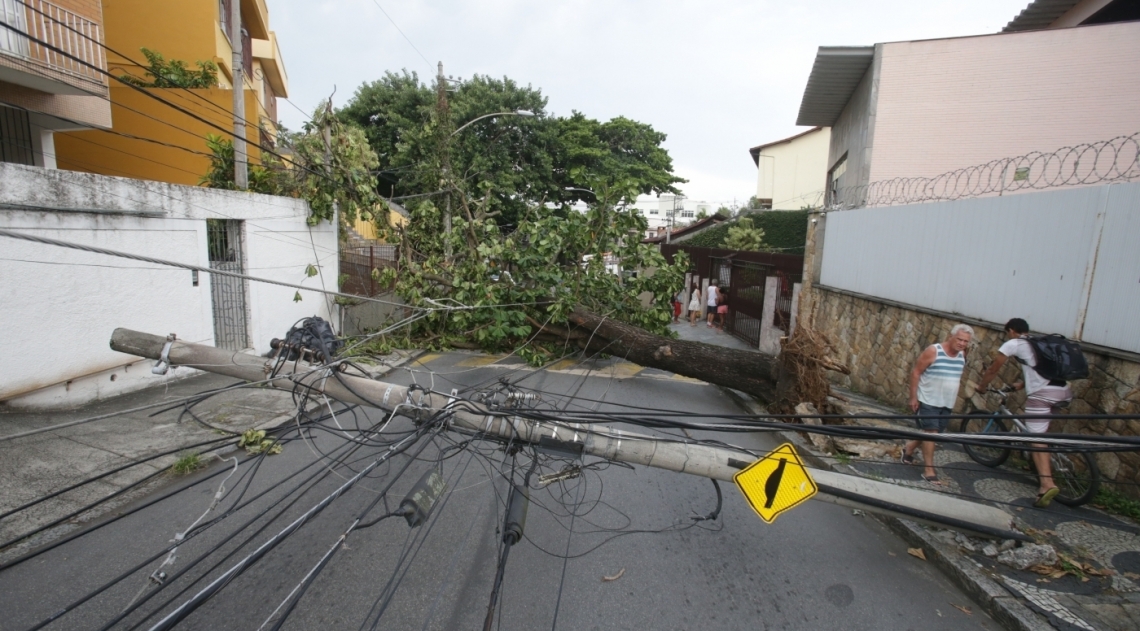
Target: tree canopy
[(514, 162), (330, 166), (744, 236)]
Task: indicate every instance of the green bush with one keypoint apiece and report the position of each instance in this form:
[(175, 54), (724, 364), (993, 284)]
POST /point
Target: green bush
[(785, 231)]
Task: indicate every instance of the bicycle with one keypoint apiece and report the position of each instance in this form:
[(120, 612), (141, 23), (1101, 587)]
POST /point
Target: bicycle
[(1076, 473)]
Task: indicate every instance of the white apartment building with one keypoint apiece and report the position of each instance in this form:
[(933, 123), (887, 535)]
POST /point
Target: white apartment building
[(667, 210)]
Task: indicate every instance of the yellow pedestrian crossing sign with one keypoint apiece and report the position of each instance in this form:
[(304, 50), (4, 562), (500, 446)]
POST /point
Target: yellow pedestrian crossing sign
[(776, 483)]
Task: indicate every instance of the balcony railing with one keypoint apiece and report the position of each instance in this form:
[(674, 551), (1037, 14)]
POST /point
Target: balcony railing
[(63, 41)]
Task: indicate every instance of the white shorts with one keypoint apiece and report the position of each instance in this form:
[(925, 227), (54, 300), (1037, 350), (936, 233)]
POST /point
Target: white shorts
[(1041, 403)]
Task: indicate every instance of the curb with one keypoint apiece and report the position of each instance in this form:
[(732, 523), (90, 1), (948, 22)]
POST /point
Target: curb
[(1005, 609)]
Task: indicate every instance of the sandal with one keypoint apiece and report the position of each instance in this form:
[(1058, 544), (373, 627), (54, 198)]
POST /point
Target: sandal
[(908, 458), (933, 479), (1046, 498)]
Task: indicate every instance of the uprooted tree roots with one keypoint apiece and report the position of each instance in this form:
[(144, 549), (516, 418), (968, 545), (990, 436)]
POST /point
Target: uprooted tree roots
[(804, 359)]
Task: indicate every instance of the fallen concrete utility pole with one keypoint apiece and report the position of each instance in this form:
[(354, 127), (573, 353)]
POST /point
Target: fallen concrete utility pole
[(604, 442)]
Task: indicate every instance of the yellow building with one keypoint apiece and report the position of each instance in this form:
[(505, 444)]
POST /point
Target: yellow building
[(152, 140)]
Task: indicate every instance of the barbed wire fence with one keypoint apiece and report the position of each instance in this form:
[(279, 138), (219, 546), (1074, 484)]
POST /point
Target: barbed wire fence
[(1104, 162)]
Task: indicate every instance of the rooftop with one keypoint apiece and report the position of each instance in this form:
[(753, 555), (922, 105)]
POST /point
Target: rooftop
[(834, 77), (755, 151)]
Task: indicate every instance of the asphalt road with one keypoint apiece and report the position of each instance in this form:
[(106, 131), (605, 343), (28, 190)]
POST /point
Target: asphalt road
[(818, 567)]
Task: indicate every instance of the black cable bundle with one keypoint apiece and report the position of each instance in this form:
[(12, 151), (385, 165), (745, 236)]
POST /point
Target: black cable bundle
[(310, 334)]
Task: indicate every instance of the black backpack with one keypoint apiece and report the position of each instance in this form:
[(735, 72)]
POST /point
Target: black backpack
[(1058, 358)]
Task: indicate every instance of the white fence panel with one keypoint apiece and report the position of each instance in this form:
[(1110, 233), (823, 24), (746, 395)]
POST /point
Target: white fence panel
[(1028, 255), (1113, 318)]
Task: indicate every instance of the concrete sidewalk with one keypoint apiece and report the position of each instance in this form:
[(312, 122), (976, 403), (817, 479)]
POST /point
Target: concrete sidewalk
[(1095, 583), (32, 467), (1105, 599), (702, 332), (35, 466)]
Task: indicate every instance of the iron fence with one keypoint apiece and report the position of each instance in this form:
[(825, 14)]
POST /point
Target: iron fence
[(225, 245), (357, 266)]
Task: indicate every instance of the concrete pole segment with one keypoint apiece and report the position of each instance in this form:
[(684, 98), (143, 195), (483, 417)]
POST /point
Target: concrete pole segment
[(769, 335), (795, 308), (704, 297), (687, 295), (718, 463)]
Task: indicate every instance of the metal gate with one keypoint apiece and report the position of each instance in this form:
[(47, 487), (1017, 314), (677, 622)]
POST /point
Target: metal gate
[(225, 244), (746, 299)]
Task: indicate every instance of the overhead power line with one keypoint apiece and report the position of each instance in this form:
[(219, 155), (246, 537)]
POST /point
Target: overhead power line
[(402, 34), (195, 268), (218, 272)]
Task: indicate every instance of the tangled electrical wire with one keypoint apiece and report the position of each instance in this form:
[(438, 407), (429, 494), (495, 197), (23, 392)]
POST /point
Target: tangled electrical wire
[(252, 507), (1104, 162)]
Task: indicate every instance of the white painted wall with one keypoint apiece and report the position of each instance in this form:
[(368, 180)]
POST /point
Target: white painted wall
[(793, 174), (59, 306), (1065, 260)]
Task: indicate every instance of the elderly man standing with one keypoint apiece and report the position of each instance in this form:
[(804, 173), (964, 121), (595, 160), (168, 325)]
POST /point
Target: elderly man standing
[(934, 386)]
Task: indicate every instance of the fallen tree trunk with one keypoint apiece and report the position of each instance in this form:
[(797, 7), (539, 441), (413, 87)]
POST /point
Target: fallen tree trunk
[(751, 372)]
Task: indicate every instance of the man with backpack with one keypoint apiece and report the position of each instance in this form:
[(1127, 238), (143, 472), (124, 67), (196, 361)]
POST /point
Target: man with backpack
[(1047, 362)]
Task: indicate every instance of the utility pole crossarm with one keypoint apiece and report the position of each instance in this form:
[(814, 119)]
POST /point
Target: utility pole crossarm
[(707, 461)]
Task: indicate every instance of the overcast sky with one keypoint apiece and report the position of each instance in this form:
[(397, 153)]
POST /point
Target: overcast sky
[(717, 76)]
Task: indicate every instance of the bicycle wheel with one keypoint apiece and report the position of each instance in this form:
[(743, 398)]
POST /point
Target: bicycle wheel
[(988, 456), (1077, 476)]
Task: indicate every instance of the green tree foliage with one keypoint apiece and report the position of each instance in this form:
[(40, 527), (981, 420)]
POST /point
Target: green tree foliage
[(743, 236), (337, 172), (514, 163), (174, 73), (517, 286), (519, 256), (270, 180), (336, 168)]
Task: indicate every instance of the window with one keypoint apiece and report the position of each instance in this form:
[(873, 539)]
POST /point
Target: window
[(653, 211), (836, 182), (12, 14), (224, 9), (688, 214), (15, 137)]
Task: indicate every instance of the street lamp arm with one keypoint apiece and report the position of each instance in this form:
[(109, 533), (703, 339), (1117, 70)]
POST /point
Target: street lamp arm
[(475, 120)]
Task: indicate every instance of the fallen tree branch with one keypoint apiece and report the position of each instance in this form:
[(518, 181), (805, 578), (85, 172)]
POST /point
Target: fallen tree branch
[(751, 372)]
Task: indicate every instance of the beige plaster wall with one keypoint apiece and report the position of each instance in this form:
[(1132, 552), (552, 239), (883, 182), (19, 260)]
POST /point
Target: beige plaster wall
[(950, 103), (793, 174)]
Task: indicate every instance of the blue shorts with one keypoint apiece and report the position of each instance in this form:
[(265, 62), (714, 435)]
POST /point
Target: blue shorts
[(932, 424)]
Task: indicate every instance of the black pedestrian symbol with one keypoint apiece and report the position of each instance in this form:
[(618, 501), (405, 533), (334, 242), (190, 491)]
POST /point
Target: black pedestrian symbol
[(773, 483)]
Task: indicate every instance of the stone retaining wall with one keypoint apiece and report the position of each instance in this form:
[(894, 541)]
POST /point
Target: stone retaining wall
[(880, 342)]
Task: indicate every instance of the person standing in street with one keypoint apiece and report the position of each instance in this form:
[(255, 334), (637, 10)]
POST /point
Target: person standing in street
[(722, 309), (1042, 397), (695, 305), (712, 299), (934, 384)]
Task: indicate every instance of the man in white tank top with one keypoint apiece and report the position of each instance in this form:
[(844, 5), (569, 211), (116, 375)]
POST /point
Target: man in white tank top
[(934, 386)]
